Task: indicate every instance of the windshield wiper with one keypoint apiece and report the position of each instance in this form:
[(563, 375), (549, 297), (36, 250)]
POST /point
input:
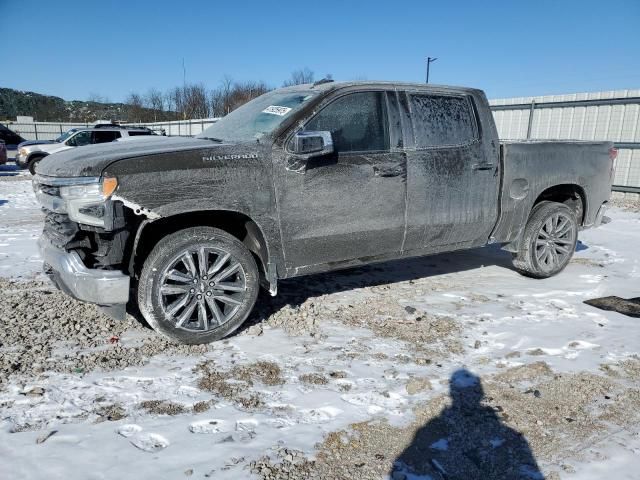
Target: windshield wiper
[(213, 139)]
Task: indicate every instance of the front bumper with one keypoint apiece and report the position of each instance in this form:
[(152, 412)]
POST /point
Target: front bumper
[(66, 270)]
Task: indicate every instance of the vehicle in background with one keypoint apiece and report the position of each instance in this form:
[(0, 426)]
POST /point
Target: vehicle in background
[(9, 137), (3, 153), (308, 179), (60, 139), (30, 155)]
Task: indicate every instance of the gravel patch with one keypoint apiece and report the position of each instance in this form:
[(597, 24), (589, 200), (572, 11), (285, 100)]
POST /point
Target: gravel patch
[(162, 407), (41, 329), (235, 384), (628, 204), (313, 379)]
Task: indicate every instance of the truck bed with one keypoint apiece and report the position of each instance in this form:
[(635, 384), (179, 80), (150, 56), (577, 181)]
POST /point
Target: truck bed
[(531, 166)]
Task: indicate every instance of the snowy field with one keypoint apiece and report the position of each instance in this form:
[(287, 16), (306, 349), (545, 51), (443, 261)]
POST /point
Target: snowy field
[(367, 373)]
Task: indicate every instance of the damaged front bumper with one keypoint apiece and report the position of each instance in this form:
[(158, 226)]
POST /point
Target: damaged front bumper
[(66, 270)]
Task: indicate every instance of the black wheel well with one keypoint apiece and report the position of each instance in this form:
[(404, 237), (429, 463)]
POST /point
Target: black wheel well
[(237, 224), (570, 194), (35, 155)]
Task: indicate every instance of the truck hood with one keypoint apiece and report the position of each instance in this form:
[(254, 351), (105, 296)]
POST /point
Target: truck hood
[(34, 142), (91, 160)]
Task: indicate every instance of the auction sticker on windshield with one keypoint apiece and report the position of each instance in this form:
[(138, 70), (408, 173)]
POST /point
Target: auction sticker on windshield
[(276, 110)]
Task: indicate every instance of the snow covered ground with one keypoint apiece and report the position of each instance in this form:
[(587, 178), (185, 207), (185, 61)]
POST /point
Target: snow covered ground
[(355, 353), (20, 224)]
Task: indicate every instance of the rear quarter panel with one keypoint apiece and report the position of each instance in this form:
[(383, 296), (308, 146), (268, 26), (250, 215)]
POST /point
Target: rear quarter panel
[(531, 167)]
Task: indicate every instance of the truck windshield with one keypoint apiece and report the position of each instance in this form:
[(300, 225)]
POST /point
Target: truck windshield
[(259, 117)]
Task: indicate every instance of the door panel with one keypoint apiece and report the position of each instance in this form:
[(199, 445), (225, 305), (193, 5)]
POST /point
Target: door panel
[(347, 205), (452, 190), (449, 202), (351, 208)]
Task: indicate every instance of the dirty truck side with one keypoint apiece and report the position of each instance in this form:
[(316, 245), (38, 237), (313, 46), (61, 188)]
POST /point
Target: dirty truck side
[(301, 180)]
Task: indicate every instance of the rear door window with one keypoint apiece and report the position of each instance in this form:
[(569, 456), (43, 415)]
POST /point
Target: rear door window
[(135, 133), (440, 120), (104, 136)]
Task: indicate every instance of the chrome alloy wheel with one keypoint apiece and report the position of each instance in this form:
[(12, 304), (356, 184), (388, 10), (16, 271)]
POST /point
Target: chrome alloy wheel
[(555, 240), (202, 289)]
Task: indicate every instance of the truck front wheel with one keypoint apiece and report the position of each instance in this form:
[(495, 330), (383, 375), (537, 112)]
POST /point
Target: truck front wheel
[(548, 241), (198, 285)]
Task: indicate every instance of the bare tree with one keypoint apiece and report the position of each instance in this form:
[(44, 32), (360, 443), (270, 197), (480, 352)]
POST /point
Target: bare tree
[(94, 97), (154, 100), (226, 86), (195, 101), (231, 95), (175, 100), (298, 77), (135, 107)]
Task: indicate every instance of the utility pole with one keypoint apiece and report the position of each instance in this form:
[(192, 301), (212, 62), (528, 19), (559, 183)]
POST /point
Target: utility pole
[(429, 61)]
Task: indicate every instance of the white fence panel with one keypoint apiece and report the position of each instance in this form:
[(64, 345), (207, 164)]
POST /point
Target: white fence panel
[(52, 130), (613, 116), (43, 130)]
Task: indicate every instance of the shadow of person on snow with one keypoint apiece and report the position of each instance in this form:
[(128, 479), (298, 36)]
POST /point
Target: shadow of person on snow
[(467, 441)]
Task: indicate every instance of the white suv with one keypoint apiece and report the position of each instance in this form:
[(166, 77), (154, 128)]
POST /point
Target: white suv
[(29, 155)]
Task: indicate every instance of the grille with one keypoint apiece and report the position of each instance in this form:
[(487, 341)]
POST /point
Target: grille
[(59, 229)]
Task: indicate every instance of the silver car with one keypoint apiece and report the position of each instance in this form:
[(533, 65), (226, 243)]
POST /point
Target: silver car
[(28, 156)]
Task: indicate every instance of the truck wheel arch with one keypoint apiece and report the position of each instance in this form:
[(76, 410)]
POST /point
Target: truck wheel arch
[(36, 154), (34, 157), (244, 228), (571, 194)]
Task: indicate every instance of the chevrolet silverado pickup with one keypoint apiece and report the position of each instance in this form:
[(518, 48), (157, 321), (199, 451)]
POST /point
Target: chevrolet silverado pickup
[(307, 179)]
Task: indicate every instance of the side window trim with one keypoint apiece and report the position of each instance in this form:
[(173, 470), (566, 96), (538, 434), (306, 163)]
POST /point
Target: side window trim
[(396, 133), (324, 104), (408, 130), (472, 111)]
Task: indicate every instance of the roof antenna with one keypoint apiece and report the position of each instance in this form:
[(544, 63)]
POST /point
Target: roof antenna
[(327, 79)]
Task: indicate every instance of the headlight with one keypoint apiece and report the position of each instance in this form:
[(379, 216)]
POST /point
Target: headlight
[(23, 151), (85, 202)]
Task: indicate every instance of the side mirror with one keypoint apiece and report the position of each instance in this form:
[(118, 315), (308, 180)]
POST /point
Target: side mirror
[(312, 144)]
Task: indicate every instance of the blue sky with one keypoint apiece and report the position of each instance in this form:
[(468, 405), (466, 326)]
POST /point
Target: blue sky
[(109, 47)]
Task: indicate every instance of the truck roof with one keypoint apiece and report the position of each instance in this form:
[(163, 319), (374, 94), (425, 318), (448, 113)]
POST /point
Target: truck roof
[(330, 85)]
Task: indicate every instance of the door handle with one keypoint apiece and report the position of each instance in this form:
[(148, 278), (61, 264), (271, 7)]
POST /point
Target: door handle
[(387, 171), (483, 166)]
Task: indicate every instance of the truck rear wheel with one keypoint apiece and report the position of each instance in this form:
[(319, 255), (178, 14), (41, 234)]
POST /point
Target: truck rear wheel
[(548, 241), (198, 285)]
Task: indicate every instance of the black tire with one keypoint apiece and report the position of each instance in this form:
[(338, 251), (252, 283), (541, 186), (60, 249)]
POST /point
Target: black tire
[(166, 270), (33, 162), (548, 241)]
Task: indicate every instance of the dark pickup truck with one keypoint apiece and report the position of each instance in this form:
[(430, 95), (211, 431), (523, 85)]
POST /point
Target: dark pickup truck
[(301, 180)]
